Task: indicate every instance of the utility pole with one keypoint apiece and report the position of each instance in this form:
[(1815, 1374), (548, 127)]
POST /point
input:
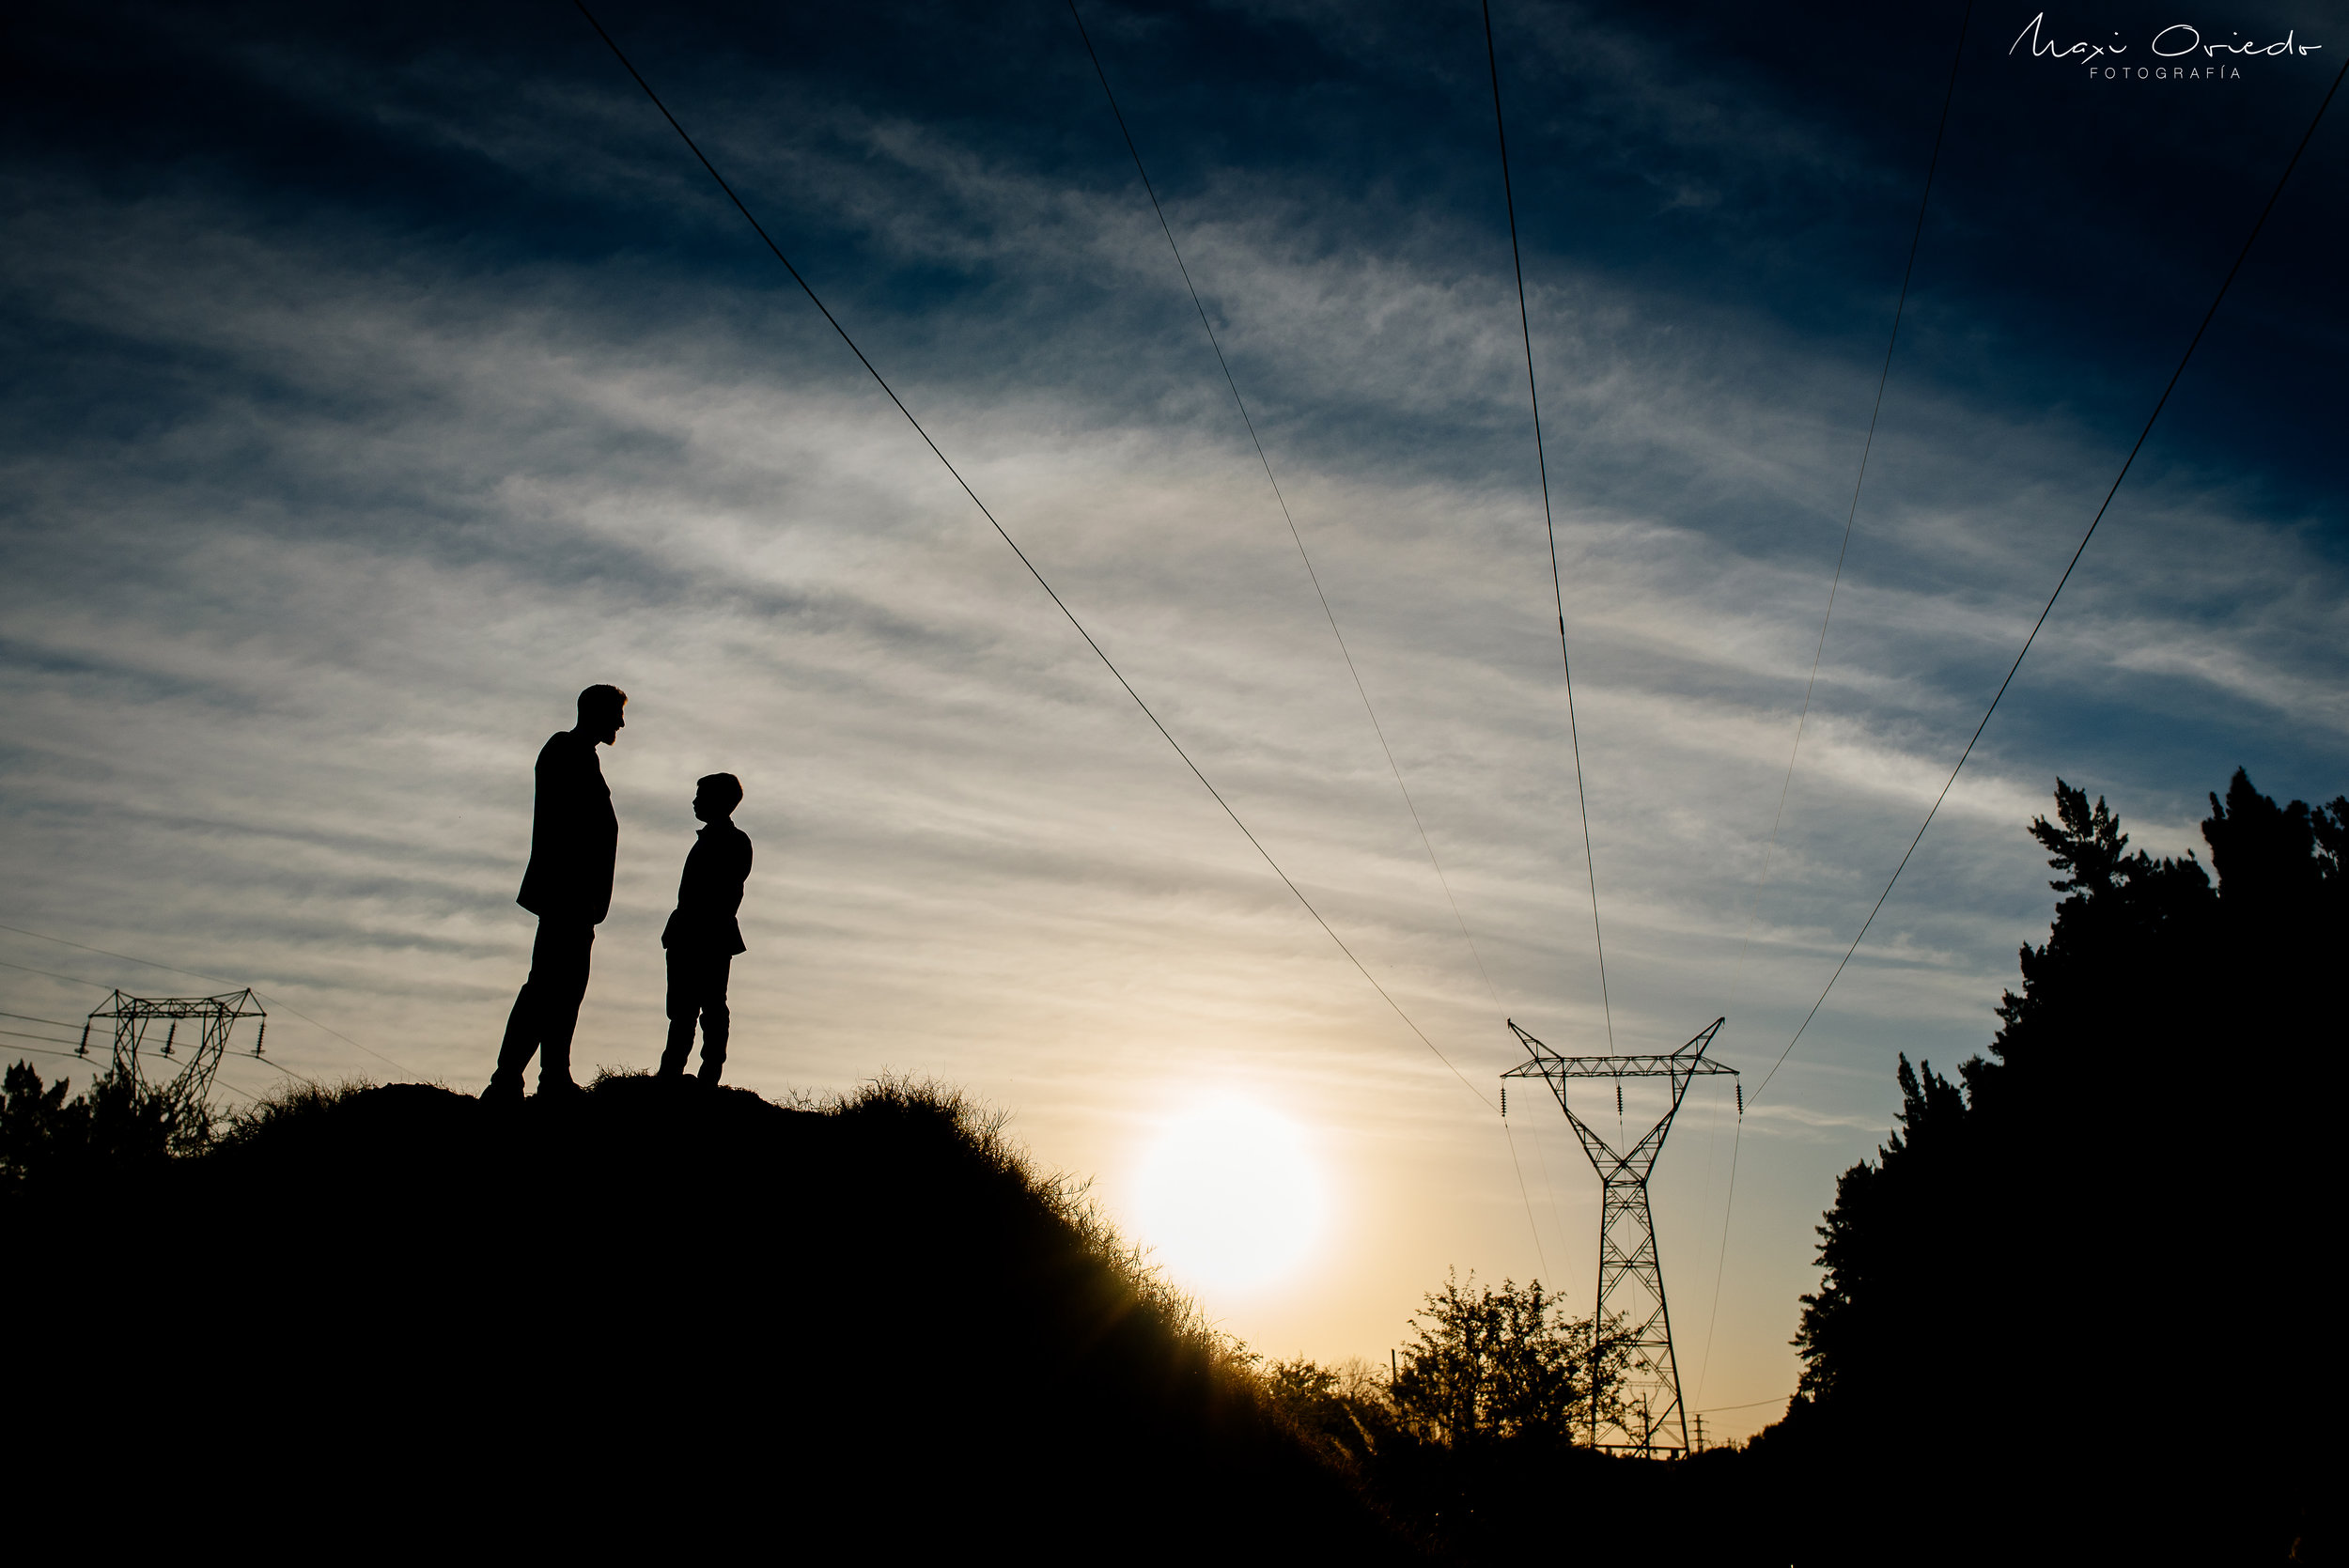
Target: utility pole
[(190, 1083), (1630, 1273)]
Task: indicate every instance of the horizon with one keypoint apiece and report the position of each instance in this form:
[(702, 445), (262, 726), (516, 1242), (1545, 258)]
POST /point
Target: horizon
[(382, 382)]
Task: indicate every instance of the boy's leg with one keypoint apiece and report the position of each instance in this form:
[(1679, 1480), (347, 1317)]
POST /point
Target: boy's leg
[(683, 996), (717, 1023)]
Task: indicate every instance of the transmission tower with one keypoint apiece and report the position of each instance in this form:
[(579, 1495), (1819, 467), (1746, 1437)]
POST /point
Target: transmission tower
[(1648, 1416), (189, 1082)]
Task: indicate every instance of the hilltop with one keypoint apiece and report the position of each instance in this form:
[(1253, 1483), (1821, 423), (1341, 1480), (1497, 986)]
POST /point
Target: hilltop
[(658, 1315)]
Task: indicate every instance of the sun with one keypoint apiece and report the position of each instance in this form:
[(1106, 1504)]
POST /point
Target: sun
[(1229, 1196)]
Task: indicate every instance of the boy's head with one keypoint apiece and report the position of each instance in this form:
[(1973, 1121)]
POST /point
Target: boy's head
[(715, 796)]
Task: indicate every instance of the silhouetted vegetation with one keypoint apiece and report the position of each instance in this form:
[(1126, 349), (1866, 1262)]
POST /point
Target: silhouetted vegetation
[(61, 1149), (2070, 1312), (1490, 1398), (1488, 1365), (659, 1317), (2074, 1310), (2090, 1264)]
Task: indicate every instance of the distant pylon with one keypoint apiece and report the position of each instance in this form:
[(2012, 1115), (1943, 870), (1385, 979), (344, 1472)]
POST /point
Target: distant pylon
[(190, 1082), (1630, 1274)]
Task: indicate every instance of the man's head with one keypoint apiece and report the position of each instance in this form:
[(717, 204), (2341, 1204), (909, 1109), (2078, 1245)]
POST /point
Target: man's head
[(715, 796), (600, 717)]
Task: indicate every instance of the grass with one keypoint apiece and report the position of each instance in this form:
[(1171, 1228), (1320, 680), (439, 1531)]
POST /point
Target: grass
[(682, 1319)]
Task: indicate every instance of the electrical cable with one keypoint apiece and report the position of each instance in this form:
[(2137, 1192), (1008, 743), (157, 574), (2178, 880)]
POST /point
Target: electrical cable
[(1541, 1162), (1721, 1261), (191, 974), (1522, 1192), (1492, 61), (72, 979), (1296, 536), (79, 1056), (2160, 403), (1915, 239), (759, 230), (1851, 518), (61, 1023), (27, 1017), (19, 1034)]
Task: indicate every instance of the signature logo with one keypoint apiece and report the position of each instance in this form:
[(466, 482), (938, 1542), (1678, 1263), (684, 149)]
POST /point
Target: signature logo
[(2177, 53)]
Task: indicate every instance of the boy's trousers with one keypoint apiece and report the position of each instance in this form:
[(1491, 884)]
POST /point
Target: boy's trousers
[(697, 990)]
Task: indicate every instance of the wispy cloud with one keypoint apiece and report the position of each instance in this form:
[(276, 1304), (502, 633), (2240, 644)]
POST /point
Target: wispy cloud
[(323, 522)]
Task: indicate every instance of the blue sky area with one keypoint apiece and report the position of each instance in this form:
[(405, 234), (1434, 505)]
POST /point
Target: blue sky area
[(374, 381)]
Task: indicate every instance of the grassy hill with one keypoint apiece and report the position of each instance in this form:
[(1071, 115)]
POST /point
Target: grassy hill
[(648, 1318)]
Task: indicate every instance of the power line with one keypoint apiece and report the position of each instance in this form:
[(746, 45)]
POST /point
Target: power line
[(170, 968), (1541, 1163), (61, 1023), (1524, 1193), (19, 1034), (1721, 1261), (80, 1057), (1296, 537), (880, 381), (1915, 239), (1299, 538), (1492, 61), (1851, 516), (27, 1017), (72, 979), (106, 952), (2160, 403)]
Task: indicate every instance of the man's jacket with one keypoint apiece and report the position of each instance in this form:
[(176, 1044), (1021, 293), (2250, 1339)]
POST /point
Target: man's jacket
[(710, 891), (574, 836)]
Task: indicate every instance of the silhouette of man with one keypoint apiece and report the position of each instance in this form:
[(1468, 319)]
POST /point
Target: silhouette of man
[(574, 838), (702, 936)]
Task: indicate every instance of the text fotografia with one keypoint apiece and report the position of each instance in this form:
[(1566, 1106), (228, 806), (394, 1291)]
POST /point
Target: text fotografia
[(2178, 53)]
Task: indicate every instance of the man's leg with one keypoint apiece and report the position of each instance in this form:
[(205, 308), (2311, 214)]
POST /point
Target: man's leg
[(716, 1022), (524, 1025), (562, 954), (683, 999)]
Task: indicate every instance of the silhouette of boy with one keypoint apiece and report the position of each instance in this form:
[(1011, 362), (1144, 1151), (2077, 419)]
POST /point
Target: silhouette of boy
[(574, 838), (702, 936)]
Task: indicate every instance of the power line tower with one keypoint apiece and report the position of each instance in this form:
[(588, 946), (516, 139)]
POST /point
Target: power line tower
[(1649, 1415), (189, 1084)]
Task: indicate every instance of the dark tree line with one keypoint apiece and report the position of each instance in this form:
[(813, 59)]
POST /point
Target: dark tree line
[(2088, 1272), (2075, 1308), (114, 1132), (1492, 1393)]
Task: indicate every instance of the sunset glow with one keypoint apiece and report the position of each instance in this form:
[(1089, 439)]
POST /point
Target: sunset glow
[(1230, 1197)]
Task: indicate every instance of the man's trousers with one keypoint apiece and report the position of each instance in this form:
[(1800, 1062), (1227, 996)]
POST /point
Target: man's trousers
[(546, 1011)]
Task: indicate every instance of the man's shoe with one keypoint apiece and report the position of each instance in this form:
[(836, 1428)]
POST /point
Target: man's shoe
[(559, 1089), (501, 1093)]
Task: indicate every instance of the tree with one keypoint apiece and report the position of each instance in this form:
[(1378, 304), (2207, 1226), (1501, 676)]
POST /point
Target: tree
[(1343, 1410), (1996, 1274), (110, 1130), (1490, 1364)]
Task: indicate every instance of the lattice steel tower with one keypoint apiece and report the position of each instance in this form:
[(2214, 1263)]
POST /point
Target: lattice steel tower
[(1631, 1274), (191, 1081)]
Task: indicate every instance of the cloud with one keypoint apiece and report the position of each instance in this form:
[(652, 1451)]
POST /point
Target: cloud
[(322, 523)]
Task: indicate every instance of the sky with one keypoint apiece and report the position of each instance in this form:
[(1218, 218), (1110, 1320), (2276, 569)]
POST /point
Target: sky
[(373, 382)]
